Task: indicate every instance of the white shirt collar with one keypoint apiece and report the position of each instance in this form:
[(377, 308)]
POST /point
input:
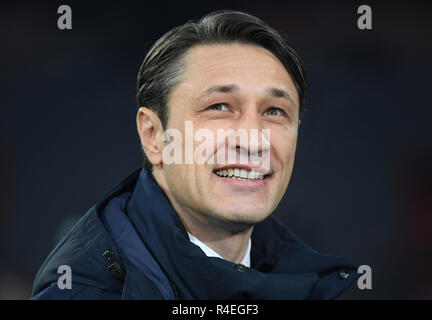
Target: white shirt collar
[(211, 253)]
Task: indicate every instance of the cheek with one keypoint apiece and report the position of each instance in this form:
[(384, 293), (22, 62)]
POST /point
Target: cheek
[(284, 145), (174, 174), (205, 146), (182, 183)]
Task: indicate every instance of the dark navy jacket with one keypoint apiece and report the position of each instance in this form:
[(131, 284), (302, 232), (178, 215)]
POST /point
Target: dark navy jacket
[(132, 245)]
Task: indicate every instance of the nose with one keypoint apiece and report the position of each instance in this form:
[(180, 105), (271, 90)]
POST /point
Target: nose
[(251, 142)]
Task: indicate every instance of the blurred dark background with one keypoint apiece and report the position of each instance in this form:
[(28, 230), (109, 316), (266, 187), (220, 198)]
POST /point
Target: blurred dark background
[(362, 182)]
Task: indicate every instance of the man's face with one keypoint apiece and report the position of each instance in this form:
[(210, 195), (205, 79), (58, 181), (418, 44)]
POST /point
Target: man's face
[(239, 87)]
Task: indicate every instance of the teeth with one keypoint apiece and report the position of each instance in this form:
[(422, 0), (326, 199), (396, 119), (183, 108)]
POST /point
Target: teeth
[(251, 175), (243, 173), (240, 174)]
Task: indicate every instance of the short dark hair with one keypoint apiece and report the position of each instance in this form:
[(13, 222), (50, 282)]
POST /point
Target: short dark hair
[(163, 65)]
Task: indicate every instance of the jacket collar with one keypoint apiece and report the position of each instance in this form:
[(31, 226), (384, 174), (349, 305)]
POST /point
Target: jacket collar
[(283, 266)]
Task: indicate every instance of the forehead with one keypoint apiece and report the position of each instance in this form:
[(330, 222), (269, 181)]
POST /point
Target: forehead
[(248, 66)]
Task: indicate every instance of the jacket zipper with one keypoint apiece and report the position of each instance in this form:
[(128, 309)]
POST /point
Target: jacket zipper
[(115, 266)]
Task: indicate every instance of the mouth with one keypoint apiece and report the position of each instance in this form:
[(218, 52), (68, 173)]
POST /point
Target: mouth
[(242, 173)]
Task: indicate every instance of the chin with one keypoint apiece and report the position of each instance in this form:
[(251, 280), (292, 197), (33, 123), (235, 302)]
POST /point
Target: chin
[(242, 218)]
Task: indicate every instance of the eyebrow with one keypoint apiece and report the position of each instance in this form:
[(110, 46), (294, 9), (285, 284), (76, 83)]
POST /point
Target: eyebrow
[(227, 88), (279, 93), (230, 88)]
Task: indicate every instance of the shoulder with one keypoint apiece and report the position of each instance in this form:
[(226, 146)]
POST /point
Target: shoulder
[(83, 252), (100, 266)]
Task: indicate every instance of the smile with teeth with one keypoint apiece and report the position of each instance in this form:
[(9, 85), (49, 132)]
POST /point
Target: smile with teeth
[(240, 174)]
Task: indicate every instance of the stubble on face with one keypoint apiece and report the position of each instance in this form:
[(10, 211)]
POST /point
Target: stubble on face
[(199, 195)]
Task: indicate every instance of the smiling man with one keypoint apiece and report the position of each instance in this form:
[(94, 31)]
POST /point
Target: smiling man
[(203, 229)]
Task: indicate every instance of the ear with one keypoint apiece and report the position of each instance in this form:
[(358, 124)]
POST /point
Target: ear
[(150, 132)]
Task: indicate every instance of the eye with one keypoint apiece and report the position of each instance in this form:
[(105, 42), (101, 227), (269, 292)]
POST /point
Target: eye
[(274, 111), (218, 107)]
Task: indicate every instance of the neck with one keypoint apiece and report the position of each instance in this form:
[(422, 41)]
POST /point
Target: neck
[(231, 247), (228, 240)]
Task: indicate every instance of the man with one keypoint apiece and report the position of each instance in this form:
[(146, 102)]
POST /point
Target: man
[(202, 229)]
